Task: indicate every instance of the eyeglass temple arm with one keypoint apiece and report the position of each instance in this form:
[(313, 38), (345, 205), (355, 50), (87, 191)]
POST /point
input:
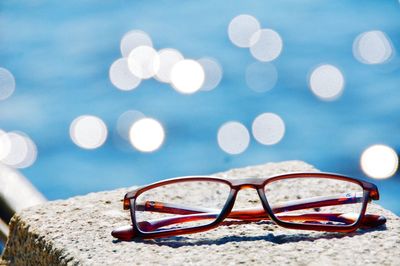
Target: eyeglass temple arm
[(348, 218), (369, 221)]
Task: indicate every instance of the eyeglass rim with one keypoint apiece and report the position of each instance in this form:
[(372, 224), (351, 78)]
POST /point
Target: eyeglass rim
[(370, 191), (257, 182)]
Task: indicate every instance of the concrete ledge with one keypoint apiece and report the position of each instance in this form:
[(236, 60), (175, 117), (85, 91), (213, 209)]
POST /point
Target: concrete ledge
[(76, 231)]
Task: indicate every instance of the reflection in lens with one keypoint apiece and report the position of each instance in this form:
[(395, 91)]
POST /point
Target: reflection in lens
[(315, 201), (180, 205)]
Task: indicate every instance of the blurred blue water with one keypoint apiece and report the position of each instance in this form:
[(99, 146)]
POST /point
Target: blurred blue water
[(60, 53)]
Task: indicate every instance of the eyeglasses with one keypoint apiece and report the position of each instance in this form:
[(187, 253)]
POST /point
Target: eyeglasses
[(308, 201)]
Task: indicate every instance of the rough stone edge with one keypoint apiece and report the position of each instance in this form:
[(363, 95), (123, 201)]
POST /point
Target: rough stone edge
[(32, 244)]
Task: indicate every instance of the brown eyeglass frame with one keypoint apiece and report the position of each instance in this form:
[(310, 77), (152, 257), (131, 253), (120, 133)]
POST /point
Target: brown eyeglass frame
[(370, 192)]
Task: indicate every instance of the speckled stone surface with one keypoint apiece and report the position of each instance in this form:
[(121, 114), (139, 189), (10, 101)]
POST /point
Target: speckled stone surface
[(76, 231)]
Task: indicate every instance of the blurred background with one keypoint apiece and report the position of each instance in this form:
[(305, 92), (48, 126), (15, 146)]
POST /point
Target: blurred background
[(97, 95)]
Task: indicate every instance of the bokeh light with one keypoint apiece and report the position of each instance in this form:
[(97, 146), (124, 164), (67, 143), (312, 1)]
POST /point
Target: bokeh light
[(144, 62), (18, 149), (121, 77), (31, 154), (379, 161), (233, 137), (268, 128), (372, 47), (5, 144), (261, 77), (134, 39), (126, 120), (7, 83), (266, 45), (168, 58), (88, 132), (241, 29), (187, 76), (213, 73), (22, 150), (147, 135), (327, 82)]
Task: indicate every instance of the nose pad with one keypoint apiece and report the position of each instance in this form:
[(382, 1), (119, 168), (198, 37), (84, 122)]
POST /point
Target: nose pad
[(247, 198)]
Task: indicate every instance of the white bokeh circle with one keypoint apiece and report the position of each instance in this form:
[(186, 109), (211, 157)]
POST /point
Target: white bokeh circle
[(168, 58), (233, 137), (213, 73), (7, 84), (144, 62), (261, 77), (187, 76), (241, 29), (373, 47), (22, 151), (327, 82), (268, 128), (121, 77), (379, 161), (147, 135), (88, 132), (134, 39), (266, 45)]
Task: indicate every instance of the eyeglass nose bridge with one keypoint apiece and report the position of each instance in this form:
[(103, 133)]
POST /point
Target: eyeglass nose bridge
[(243, 183), (240, 184), (236, 187)]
